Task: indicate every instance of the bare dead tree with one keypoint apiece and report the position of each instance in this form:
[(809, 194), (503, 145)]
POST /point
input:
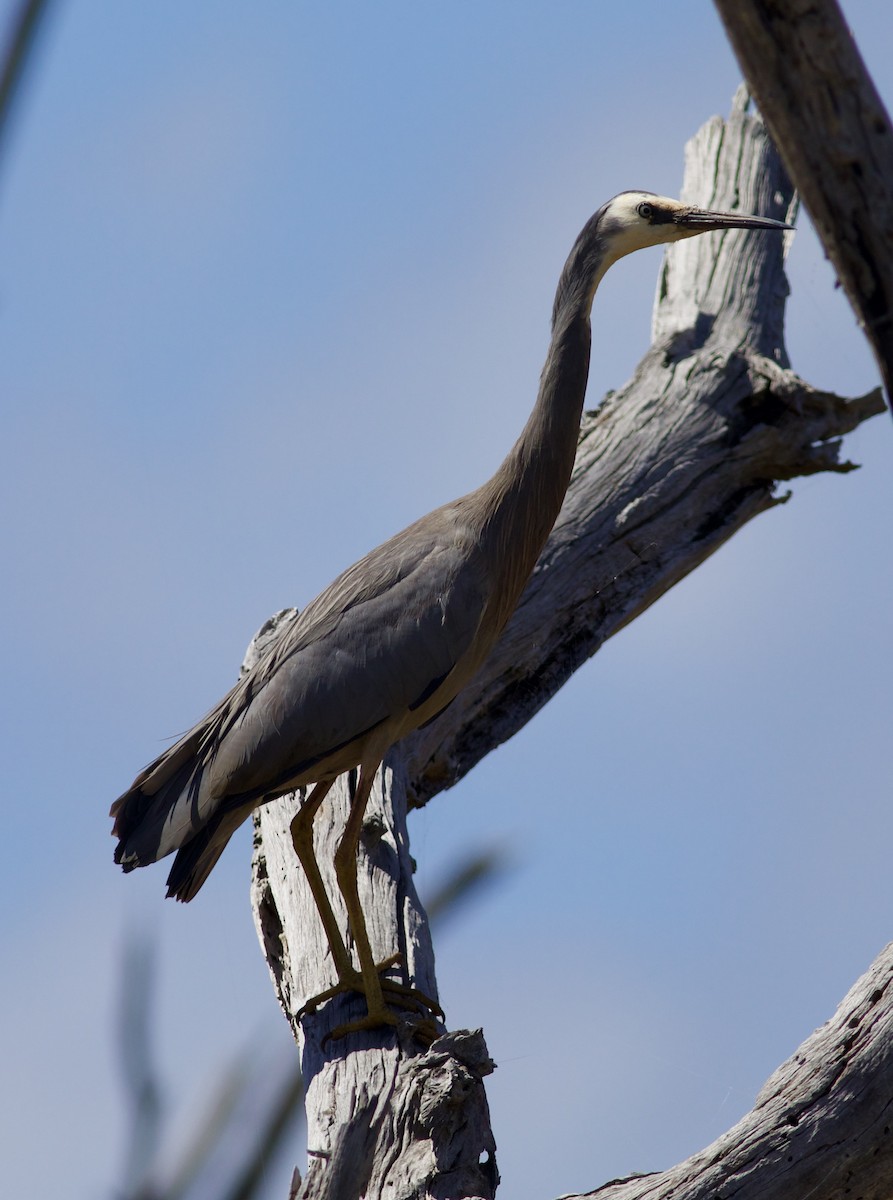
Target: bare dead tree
[(667, 470)]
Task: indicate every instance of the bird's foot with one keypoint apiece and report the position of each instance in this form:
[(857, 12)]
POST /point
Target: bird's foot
[(349, 980), (408, 997), (424, 1029), (376, 1018), (417, 1008)]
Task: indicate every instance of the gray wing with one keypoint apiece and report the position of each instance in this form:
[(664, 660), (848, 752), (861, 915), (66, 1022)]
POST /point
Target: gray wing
[(374, 646), (390, 632)]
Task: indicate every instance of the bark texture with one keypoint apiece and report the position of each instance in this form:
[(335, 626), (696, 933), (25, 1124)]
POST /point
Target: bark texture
[(667, 470), (824, 112)]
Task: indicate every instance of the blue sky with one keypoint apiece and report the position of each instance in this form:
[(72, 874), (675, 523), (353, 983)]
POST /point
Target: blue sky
[(274, 281)]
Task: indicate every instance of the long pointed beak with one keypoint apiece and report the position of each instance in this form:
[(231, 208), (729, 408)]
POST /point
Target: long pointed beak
[(700, 220)]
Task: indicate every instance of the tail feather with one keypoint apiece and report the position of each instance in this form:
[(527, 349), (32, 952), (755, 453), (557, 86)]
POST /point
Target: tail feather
[(195, 860), (160, 813), (142, 818), (165, 809)]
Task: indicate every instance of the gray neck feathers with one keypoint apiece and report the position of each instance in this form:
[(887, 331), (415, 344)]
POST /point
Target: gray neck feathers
[(519, 505)]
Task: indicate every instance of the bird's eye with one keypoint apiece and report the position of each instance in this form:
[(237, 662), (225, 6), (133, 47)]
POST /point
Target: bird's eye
[(645, 210)]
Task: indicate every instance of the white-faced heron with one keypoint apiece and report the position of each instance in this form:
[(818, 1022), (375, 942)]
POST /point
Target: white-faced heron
[(388, 645)]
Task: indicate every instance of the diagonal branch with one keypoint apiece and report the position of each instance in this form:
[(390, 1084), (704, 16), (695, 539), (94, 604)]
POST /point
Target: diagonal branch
[(821, 1126), (835, 136)]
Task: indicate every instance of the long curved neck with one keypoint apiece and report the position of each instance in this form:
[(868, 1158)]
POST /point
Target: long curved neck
[(520, 503)]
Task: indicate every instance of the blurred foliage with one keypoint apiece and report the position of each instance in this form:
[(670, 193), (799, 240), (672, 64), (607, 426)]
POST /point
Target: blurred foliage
[(18, 52)]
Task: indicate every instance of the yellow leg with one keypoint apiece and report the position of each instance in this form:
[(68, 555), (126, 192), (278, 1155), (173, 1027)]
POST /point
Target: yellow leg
[(346, 874), (367, 980), (349, 978), (374, 986), (302, 840)]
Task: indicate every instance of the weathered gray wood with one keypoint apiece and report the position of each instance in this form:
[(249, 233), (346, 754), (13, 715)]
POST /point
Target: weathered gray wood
[(667, 470), (835, 135), (822, 1126)]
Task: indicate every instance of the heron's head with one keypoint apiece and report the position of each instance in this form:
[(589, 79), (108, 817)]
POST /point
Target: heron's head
[(634, 220)]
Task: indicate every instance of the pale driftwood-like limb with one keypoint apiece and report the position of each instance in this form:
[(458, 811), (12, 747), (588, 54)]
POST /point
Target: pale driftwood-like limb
[(667, 470), (835, 135), (822, 1126)]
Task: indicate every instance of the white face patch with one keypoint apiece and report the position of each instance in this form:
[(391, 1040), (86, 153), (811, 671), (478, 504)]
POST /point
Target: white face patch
[(628, 226)]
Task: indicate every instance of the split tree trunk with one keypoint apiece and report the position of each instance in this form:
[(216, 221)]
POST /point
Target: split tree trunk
[(667, 470)]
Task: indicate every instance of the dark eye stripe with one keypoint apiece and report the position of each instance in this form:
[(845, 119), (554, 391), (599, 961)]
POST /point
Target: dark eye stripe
[(655, 214)]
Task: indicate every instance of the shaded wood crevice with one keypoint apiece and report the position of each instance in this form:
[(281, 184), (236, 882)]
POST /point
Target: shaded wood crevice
[(667, 469)]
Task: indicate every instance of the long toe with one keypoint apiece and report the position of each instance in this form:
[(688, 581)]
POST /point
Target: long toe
[(379, 1019), (400, 994), (351, 980), (424, 1029)]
